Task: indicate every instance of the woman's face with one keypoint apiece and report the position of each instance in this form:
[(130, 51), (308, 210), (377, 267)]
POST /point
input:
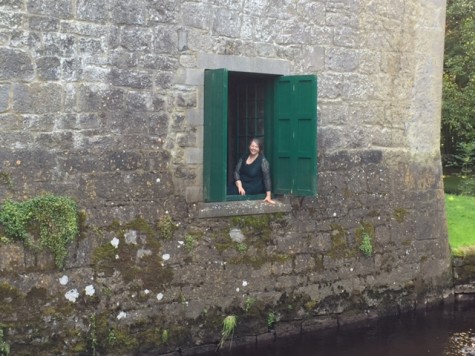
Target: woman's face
[(254, 148)]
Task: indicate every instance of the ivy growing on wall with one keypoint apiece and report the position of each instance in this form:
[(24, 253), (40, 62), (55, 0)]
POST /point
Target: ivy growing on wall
[(44, 222)]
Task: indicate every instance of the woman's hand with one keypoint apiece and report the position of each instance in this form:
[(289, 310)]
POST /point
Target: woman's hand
[(240, 188), (268, 198)]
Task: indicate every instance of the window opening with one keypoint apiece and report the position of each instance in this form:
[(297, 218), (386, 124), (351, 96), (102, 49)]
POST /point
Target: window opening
[(246, 114)]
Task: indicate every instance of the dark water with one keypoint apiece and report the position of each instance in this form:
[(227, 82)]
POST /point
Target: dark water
[(443, 331)]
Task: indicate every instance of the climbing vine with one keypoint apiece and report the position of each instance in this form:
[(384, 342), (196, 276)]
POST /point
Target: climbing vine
[(44, 222)]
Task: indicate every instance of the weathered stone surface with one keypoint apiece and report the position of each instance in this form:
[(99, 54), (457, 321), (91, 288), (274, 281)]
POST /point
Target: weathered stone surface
[(60, 8), (48, 68), (15, 65), (37, 98), (92, 10), (4, 97)]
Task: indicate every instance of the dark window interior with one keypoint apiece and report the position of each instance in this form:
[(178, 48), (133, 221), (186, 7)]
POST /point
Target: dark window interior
[(248, 108)]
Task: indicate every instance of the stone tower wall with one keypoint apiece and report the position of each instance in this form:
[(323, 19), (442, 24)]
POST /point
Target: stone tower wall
[(102, 101)]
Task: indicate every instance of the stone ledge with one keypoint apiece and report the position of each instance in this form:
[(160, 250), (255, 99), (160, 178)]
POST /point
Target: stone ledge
[(236, 208)]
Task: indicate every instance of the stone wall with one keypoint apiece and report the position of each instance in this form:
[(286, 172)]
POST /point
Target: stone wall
[(102, 101)]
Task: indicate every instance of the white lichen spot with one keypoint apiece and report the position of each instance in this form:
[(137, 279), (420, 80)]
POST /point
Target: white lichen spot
[(159, 296), (236, 235), (180, 243), (131, 237), (166, 256), (90, 290), (64, 280), (334, 214), (244, 283), (115, 242), (116, 257), (351, 269), (146, 291), (237, 289), (121, 315), (158, 180), (72, 295)]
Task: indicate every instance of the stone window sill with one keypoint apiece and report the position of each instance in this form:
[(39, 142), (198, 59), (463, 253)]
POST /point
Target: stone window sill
[(244, 207)]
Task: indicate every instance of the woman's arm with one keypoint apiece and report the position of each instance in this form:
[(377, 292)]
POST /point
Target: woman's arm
[(237, 178), (267, 183)]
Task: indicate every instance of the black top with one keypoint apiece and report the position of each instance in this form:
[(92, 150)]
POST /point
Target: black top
[(255, 177)]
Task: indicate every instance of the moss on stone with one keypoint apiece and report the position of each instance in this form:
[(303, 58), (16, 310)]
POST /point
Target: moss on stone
[(6, 179), (10, 298), (104, 259), (319, 267), (400, 214), (148, 269), (340, 248), (255, 225)]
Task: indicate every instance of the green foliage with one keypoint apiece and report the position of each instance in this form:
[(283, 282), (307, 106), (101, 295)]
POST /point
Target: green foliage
[(465, 157), (458, 109), (51, 219), (165, 336), (229, 323), (460, 212), (241, 247), (271, 319), (248, 303), (366, 247), (166, 226), (190, 242), (4, 346), (92, 335)]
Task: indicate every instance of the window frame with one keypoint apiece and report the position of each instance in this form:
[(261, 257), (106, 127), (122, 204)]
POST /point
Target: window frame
[(216, 84)]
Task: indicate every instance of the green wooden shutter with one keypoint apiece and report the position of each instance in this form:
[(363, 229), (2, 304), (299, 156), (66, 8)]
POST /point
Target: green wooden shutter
[(215, 134), (295, 135)]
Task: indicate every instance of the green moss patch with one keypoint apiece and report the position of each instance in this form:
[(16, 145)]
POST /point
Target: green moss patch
[(46, 222)]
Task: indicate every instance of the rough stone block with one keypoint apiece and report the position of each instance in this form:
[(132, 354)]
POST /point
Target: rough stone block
[(132, 79), (44, 24), (37, 98), (91, 46), (136, 39), (165, 40), (58, 8), (39, 123), (11, 20), (48, 68), (59, 44), (15, 65), (196, 15), (129, 12), (4, 97), (12, 257), (92, 10), (12, 4), (56, 140)]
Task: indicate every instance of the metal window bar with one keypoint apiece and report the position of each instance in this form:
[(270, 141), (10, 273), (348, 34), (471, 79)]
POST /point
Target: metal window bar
[(250, 115)]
